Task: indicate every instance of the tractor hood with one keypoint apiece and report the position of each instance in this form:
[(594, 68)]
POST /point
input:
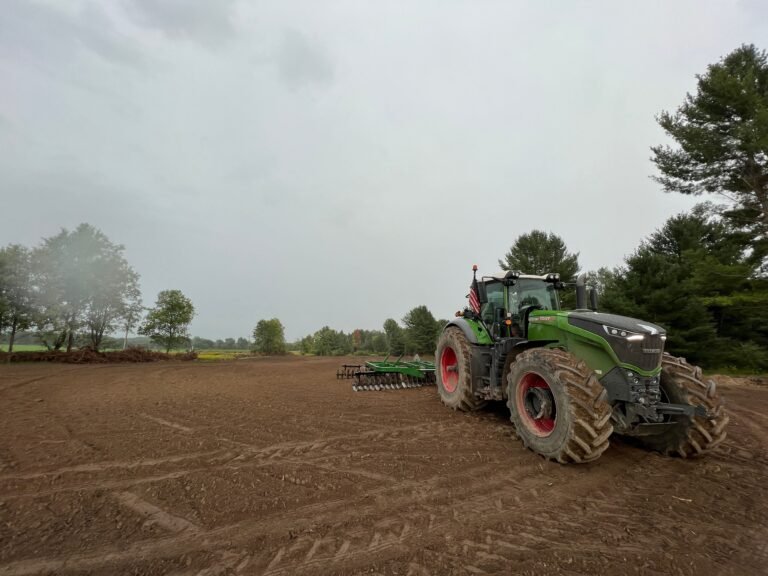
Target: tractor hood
[(635, 342), (614, 321)]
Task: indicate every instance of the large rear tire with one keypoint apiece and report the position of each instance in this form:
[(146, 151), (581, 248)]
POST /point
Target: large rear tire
[(453, 371), (683, 383), (559, 408)]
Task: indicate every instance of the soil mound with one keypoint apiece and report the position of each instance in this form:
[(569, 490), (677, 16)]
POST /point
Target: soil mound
[(88, 355)]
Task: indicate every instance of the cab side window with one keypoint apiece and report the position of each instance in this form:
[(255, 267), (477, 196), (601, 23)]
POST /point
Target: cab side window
[(495, 294), (514, 300)]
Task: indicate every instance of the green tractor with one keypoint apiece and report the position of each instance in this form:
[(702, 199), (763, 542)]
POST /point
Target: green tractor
[(573, 378)]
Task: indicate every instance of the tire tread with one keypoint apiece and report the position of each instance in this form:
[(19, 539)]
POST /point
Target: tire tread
[(589, 409), (700, 435), (463, 398)]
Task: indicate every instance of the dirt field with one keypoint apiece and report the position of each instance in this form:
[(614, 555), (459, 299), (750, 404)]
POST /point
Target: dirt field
[(274, 467)]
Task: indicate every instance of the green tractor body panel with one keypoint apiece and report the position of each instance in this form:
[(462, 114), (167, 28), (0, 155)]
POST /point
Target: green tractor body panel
[(590, 347), (475, 331)]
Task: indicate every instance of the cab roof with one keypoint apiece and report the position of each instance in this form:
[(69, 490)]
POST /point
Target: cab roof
[(500, 276)]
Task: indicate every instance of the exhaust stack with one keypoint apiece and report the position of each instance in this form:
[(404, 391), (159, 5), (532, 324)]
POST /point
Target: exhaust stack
[(581, 292)]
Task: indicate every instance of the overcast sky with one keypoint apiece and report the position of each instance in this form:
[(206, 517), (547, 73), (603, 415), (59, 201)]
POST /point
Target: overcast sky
[(338, 163)]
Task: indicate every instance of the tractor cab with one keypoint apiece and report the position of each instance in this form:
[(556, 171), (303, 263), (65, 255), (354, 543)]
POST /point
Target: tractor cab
[(507, 298)]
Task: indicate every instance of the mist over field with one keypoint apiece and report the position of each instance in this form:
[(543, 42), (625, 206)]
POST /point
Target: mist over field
[(341, 163)]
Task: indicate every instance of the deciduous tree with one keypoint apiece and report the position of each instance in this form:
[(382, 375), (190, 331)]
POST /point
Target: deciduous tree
[(15, 291), (324, 341), (168, 322), (269, 337), (83, 281)]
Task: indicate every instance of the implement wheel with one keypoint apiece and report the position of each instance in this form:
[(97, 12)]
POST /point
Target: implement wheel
[(558, 407), (681, 383), (453, 372)]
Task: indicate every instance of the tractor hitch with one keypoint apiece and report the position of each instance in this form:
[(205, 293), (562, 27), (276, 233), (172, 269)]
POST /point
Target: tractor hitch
[(656, 412), (685, 409)]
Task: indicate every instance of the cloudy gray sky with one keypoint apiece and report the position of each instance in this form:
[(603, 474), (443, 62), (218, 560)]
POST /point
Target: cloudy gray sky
[(342, 162)]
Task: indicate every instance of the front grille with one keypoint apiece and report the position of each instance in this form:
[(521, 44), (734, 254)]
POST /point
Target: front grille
[(646, 354)]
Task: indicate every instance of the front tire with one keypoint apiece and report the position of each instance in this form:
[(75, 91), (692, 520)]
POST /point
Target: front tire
[(683, 383), (453, 371), (559, 408)]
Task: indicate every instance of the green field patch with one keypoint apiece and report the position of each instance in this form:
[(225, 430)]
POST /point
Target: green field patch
[(214, 355), (23, 347)]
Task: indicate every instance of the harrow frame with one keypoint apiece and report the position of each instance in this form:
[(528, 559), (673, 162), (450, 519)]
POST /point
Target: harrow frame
[(386, 375)]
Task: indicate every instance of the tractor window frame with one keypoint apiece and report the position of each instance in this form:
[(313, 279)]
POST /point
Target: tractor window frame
[(516, 301), (488, 310)]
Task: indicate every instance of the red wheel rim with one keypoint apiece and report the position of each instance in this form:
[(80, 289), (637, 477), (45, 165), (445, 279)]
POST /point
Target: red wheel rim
[(449, 369), (536, 404)]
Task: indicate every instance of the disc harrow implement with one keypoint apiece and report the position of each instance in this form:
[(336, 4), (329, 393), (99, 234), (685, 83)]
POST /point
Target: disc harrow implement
[(385, 375)]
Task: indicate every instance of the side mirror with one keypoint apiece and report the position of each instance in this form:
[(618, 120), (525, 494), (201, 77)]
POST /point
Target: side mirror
[(500, 315), (593, 299)]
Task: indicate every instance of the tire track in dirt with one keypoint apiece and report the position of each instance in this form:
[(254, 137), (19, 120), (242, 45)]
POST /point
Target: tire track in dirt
[(752, 413), (58, 374), (92, 485), (109, 465), (356, 545), (417, 524), (250, 453), (340, 469), (701, 550), (561, 532), (12, 385), (293, 453), (497, 549), (98, 485), (167, 423), (336, 512), (155, 515)]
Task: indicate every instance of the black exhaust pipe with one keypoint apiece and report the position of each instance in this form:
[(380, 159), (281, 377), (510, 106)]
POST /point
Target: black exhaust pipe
[(581, 292), (593, 299)]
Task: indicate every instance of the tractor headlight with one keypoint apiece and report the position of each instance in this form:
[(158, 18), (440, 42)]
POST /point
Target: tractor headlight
[(621, 333)]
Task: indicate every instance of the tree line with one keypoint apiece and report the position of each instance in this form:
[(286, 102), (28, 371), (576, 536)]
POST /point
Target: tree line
[(76, 289), (417, 335), (199, 343)]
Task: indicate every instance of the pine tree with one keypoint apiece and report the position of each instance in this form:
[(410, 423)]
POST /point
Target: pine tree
[(722, 137), (539, 252)]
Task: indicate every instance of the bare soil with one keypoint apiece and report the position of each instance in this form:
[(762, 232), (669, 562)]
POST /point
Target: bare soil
[(274, 467)]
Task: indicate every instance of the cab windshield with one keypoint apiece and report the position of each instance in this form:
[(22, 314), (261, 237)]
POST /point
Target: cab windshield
[(531, 292)]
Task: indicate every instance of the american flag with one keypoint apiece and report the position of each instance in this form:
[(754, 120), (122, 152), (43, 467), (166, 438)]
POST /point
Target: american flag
[(474, 300)]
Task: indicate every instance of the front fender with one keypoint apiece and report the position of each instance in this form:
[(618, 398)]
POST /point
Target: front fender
[(474, 331)]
